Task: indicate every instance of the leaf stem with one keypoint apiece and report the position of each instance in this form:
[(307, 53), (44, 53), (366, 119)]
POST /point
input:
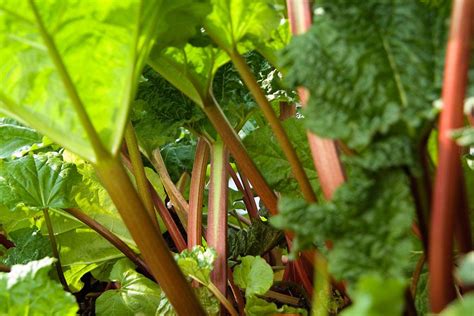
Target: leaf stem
[(280, 133), (224, 301), (110, 237), (238, 151), (150, 242), (81, 112), (139, 172), (54, 248), (251, 207), (179, 202), (164, 213), (196, 194)]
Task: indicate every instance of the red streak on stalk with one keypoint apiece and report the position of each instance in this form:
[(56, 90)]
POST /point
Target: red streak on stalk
[(324, 151), (447, 187), (196, 194)]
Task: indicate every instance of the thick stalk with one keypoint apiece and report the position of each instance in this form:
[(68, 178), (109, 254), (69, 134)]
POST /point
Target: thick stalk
[(280, 133), (238, 151), (139, 172), (109, 236), (217, 213), (151, 244), (54, 248), (324, 151), (447, 181), (196, 194), (177, 199), (164, 213)]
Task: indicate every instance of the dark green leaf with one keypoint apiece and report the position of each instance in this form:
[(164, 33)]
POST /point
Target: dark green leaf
[(30, 245)]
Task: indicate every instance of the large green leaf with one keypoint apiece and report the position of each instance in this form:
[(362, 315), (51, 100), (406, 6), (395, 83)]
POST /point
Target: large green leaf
[(367, 69), (30, 245), (59, 56), (28, 290), (38, 182), (137, 295), (369, 220), (234, 21)]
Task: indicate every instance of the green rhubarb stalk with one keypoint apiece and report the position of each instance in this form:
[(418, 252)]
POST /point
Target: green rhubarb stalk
[(151, 243), (240, 154), (280, 133), (139, 172), (196, 194), (180, 204), (217, 213)]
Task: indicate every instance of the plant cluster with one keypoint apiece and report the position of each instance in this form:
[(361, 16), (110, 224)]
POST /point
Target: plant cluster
[(249, 157)]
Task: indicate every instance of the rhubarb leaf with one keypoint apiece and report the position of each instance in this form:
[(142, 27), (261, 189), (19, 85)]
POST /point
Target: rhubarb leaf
[(136, 293), (38, 182), (17, 139), (60, 56), (240, 21), (357, 73), (197, 263), (369, 300), (28, 290), (30, 245), (254, 275), (269, 158)]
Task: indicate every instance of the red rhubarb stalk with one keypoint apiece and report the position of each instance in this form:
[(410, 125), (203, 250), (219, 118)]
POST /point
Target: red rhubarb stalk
[(447, 186)]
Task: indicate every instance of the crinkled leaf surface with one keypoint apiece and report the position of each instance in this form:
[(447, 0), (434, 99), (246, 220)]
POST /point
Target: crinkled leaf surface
[(137, 294), (377, 295), (267, 154), (30, 245), (369, 221), (255, 240), (356, 56), (28, 290), (254, 275), (37, 181), (197, 263), (97, 44)]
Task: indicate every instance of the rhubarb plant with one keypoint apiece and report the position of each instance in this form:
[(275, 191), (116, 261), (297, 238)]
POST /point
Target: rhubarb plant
[(236, 157)]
